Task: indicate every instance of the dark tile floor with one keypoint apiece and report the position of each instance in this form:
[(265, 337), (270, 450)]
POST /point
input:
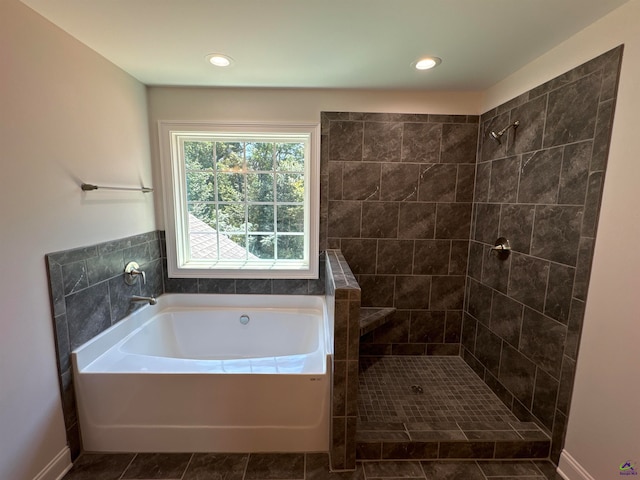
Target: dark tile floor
[(436, 407), (425, 389), (291, 466)]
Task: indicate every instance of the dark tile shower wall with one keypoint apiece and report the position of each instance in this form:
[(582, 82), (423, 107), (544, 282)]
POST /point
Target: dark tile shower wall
[(397, 194), (541, 189), (88, 295), (343, 292)]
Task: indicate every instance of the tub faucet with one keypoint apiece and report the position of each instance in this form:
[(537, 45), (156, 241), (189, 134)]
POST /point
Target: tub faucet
[(139, 299)]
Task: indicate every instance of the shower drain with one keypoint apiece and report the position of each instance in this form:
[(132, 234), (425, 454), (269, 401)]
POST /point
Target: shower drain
[(417, 389)]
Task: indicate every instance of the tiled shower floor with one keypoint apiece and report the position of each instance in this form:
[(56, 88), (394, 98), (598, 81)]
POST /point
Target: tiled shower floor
[(429, 407), (425, 389)]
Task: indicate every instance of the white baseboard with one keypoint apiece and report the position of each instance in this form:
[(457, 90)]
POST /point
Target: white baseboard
[(570, 469), (57, 468)]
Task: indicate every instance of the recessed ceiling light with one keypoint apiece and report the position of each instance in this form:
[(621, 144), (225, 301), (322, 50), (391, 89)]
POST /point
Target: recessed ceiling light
[(426, 63), (219, 60)]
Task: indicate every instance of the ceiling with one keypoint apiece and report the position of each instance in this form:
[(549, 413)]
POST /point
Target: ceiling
[(364, 44)]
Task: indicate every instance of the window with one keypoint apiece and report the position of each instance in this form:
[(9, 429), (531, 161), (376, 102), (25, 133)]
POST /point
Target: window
[(241, 200)]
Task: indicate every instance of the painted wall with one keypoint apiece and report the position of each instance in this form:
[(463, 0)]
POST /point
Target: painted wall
[(604, 424), (67, 115)]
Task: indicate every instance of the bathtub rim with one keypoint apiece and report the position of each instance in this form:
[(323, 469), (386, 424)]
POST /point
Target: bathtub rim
[(83, 355)]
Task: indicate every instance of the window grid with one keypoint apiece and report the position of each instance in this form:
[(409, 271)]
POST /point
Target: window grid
[(245, 171)]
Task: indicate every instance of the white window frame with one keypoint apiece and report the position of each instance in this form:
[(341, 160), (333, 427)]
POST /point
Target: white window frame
[(175, 205)]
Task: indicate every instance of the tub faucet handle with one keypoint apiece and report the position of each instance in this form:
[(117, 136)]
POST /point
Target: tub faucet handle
[(131, 272)]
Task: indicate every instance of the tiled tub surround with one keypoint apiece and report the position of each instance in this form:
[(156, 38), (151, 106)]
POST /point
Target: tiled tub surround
[(397, 195), (541, 188), (343, 292), (88, 295)]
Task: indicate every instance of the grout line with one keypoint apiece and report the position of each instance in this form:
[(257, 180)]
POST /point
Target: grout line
[(128, 465), (187, 467)]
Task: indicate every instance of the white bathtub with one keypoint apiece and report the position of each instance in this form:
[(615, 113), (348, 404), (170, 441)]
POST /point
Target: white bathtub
[(186, 375)]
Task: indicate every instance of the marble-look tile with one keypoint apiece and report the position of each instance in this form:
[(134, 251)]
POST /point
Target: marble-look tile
[(453, 220), (317, 468), (361, 181), (382, 141), (543, 341), (517, 373), (157, 466), (558, 435), (559, 290), (516, 225), (421, 142), (544, 398), (74, 277), (479, 302), (567, 376), (110, 265), (88, 313), (523, 449), (393, 469), (427, 327), (394, 256), (282, 466), (475, 450), (459, 257), (399, 182), (412, 292), (459, 143), (447, 292), (495, 270), (469, 326), (409, 450), (592, 204), (506, 318), (571, 114), (431, 257), (556, 233), (575, 172), (465, 183), (99, 466), (487, 350), (453, 327), (416, 220), (285, 286), (602, 136), (487, 222), (483, 180), (377, 290), (63, 347), (504, 180), (345, 141), (509, 468), (574, 328), (583, 268), (154, 285), (528, 136), (335, 180), (437, 182), (474, 269), (360, 254), (216, 466), (120, 298), (540, 176), (379, 220), (528, 280), (344, 219), (216, 285), (253, 286)]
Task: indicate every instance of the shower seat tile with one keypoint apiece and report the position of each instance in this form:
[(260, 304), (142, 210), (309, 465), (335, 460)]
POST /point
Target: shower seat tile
[(381, 436), (465, 426), (377, 426)]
